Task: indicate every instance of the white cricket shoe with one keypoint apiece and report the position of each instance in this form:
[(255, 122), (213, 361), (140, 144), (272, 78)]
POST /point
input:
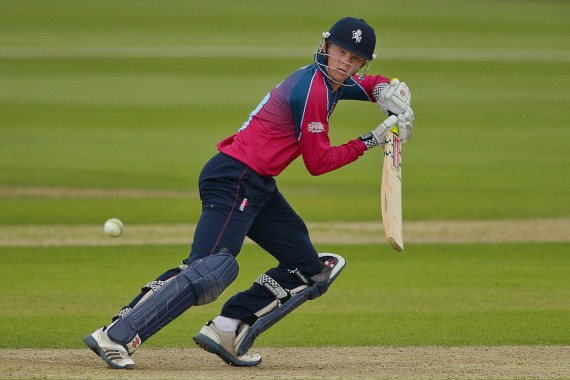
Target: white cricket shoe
[(114, 354), (222, 343)]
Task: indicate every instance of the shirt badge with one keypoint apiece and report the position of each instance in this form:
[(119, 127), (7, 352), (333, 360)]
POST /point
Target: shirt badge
[(315, 127)]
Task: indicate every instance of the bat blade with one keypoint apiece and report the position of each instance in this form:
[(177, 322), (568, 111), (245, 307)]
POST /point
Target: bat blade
[(391, 192)]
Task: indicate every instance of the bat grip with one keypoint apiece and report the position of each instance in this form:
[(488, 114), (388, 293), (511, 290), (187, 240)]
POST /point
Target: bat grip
[(390, 113)]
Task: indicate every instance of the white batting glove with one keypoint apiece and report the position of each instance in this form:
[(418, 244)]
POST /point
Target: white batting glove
[(405, 125), (377, 137), (395, 98)]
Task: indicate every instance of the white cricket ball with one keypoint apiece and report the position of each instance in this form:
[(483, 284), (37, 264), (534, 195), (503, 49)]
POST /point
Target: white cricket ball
[(113, 227)]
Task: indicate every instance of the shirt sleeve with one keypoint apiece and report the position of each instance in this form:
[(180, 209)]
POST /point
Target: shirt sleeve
[(363, 87), (314, 143)]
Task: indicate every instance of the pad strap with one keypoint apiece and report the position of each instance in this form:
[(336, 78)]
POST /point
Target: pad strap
[(332, 265), (300, 275), (150, 288), (153, 285), (273, 287)]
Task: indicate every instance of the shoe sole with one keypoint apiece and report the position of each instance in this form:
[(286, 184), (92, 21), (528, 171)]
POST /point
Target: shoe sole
[(209, 345), (92, 344)]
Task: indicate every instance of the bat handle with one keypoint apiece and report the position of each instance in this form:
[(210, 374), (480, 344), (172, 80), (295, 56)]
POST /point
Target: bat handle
[(395, 128)]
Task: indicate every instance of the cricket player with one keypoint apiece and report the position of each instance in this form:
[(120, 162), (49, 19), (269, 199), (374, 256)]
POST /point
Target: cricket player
[(240, 198)]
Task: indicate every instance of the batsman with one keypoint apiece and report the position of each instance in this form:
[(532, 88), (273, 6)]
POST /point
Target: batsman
[(240, 198)]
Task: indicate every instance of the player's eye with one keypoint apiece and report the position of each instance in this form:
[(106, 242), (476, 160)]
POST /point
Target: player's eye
[(340, 51)]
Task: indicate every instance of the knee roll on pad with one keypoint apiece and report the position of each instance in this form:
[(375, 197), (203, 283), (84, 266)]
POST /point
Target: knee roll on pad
[(332, 264), (200, 283)]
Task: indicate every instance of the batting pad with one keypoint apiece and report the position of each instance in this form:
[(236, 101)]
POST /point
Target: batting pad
[(201, 283), (332, 265)]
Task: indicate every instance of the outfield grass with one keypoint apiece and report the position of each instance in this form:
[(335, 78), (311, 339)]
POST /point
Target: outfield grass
[(134, 95), (440, 295)]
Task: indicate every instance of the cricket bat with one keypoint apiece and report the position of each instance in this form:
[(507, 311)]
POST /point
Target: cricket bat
[(391, 191)]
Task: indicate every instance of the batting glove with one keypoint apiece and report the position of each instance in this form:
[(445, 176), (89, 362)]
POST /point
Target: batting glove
[(395, 98), (377, 137), (405, 125)]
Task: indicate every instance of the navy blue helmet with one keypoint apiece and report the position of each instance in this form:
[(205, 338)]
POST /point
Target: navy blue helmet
[(354, 35)]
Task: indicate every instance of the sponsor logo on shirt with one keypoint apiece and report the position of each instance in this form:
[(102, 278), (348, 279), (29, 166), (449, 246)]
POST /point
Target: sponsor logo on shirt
[(316, 127)]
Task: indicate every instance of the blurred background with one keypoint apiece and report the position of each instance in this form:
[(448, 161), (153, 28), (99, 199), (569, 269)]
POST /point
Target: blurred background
[(106, 104)]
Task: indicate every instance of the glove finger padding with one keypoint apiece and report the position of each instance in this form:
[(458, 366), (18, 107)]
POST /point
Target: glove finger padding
[(380, 132), (405, 126), (395, 98)]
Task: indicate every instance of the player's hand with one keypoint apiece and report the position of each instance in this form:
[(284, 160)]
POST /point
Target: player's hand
[(405, 125), (395, 98), (377, 137)]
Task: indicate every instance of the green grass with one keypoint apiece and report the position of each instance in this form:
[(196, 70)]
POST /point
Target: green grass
[(433, 295), (490, 135), (486, 147), (491, 142)]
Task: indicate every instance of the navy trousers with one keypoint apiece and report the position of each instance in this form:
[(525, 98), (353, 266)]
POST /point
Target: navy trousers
[(237, 202)]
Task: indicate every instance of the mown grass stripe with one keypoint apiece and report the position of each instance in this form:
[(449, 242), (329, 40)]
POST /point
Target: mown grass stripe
[(431, 54)]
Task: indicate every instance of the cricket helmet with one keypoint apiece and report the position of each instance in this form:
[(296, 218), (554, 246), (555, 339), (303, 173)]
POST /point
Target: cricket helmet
[(355, 35)]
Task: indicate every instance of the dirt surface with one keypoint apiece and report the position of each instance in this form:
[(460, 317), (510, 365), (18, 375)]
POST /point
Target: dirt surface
[(490, 231), (487, 231), (511, 362)]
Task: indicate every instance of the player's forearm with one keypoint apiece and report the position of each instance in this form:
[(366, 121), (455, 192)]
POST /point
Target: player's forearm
[(321, 161)]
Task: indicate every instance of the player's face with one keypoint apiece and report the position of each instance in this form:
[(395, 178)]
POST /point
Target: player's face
[(342, 64)]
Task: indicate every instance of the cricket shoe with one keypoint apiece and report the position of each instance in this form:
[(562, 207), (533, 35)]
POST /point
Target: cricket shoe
[(114, 354), (222, 343)]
